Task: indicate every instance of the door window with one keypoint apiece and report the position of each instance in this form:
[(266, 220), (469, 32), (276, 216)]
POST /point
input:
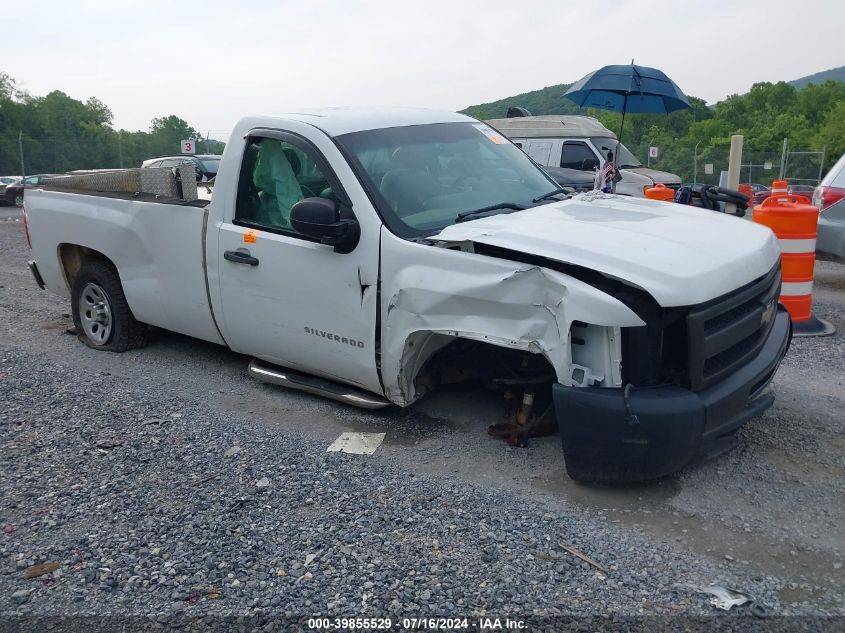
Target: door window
[(540, 151), (275, 175), (577, 155)]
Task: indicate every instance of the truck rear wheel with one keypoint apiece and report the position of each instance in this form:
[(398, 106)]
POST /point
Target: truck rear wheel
[(101, 314)]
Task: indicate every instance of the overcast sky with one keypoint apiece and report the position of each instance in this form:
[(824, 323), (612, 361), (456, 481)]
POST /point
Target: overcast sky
[(211, 62)]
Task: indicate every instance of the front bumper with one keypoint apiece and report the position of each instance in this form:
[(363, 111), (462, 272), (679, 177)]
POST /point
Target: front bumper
[(603, 442)]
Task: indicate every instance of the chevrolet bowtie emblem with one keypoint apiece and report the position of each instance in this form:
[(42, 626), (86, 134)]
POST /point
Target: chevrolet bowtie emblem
[(768, 311)]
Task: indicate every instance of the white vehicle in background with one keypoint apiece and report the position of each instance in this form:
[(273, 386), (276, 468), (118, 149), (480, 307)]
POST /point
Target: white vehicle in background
[(829, 197), (581, 142), (373, 255)]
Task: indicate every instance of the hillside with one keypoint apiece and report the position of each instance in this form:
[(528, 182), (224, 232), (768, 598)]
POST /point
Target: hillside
[(548, 100), (834, 74)]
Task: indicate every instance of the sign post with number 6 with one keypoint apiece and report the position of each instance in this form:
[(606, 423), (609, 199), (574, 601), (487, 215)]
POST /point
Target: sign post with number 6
[(188, 146)]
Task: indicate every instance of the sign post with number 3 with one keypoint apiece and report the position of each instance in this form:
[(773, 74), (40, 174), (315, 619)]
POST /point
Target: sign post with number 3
[(188, 146)]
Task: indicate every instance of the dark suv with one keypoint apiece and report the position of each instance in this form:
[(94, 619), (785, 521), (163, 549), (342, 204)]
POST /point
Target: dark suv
[(205, 164)]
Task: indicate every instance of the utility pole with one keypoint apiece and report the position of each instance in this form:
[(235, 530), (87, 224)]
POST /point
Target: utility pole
[(783, 159), (120, 148), (207, 134), (821, 163), (695, 164), (20, 147)]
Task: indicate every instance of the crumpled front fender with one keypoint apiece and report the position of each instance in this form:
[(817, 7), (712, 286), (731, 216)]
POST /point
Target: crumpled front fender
[(434, 295)]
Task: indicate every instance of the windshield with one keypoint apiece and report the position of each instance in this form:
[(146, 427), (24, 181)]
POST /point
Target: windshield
[(625, 158), (210, 165), (425, 175)]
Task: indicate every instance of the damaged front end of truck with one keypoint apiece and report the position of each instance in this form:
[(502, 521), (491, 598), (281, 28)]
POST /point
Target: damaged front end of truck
[(636, 390)]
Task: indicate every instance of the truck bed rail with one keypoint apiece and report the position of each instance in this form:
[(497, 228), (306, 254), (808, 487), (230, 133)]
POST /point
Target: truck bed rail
[(159, 184)]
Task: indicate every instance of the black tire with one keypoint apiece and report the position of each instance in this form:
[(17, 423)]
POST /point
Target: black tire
[(126, 333)]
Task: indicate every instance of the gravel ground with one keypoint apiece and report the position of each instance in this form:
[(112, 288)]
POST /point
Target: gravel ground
[(164, 481)]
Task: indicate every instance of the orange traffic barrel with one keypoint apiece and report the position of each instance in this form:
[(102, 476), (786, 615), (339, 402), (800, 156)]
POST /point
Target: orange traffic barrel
[(779, 187), (660, 192), (794, 221)]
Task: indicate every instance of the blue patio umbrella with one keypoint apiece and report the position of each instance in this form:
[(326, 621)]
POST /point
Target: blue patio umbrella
[(628, 88)]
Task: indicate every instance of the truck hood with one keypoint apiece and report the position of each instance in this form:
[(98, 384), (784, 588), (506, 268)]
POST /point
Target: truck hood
[(654, 175), (680, 255)]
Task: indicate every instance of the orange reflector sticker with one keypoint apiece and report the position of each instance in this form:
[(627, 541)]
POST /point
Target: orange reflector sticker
[(250, 237), (490, 133)]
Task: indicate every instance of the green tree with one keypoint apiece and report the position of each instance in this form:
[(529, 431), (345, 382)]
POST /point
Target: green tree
[(831, 134)]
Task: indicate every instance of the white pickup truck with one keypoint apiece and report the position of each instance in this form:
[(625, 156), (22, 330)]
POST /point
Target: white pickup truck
[(372, 255)]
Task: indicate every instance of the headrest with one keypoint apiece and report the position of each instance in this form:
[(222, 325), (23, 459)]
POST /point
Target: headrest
[(410, 157), (293, 159)]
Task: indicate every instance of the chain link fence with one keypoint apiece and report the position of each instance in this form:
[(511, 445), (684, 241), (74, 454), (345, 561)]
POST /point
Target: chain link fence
[(804, 166), (799, 166)]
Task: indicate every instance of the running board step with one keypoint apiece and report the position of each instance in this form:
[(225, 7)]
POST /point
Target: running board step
[(312, 384)]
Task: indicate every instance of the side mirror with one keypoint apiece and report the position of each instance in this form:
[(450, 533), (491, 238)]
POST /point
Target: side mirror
[(320, 218)]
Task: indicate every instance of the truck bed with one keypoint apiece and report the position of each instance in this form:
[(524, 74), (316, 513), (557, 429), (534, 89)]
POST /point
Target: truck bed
[(157, 247)]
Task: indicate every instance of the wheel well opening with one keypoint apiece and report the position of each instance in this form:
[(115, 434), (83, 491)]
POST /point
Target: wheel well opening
[(523, 378), (73, 256)]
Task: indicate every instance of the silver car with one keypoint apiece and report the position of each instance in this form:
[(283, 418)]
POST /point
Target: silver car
[(829, 197)]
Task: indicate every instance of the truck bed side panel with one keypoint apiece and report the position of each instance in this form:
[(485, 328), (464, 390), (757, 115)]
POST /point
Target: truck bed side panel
[(156, 247)]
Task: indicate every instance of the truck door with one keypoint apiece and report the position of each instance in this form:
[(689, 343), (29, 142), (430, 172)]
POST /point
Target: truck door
[(285, 297)]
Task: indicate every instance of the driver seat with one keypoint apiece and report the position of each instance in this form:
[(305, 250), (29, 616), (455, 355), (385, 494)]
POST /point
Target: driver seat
[(409, 182)]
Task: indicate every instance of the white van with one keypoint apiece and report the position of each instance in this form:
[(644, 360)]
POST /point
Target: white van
[(580, 142)]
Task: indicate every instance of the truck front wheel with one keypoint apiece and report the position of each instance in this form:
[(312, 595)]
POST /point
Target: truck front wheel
[(101, 314)]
